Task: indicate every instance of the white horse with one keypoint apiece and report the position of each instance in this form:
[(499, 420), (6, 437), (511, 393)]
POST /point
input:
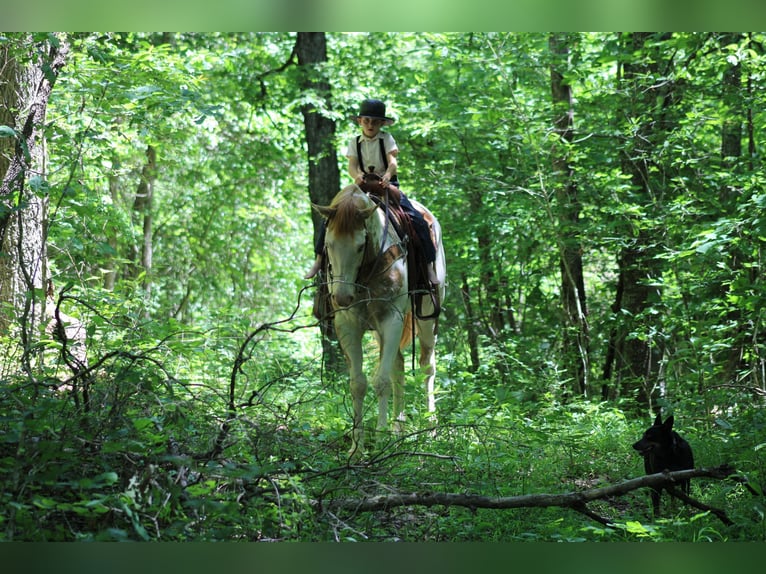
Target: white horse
[(368, 286)]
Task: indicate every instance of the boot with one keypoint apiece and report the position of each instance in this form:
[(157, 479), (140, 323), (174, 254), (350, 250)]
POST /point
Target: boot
[(314, 268)]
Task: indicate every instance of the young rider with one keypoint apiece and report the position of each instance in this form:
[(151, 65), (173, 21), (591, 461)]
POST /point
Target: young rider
[(379, 154)]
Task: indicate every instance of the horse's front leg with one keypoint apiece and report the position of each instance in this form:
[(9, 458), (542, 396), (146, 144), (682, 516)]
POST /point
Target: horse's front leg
[(350, 338), (390, 370)]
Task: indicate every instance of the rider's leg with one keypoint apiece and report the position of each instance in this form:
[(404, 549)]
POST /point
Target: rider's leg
[(318, 250), (422, 229)]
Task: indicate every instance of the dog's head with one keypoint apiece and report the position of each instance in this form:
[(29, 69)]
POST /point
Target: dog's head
[(659, 435)]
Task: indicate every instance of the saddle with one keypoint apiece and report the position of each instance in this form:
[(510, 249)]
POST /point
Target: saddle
[(388, 198), (418, 283)]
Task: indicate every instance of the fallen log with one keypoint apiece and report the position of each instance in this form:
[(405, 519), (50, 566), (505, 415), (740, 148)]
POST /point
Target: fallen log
[(577, 500)]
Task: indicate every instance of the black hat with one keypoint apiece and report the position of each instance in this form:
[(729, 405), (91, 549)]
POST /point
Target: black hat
[(374, 109)]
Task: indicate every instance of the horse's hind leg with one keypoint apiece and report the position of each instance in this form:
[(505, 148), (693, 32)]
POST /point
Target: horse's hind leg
[(427, 338), (398, 380)]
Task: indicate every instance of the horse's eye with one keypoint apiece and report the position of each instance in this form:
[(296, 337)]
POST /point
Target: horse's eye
[(360, 248)]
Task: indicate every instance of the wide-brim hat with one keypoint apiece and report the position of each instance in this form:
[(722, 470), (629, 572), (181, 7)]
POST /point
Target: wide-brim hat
[(374, 109)]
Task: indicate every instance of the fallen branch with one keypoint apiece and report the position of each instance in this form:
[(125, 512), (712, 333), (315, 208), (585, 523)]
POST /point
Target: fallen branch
[(575, 500), (681, 495)]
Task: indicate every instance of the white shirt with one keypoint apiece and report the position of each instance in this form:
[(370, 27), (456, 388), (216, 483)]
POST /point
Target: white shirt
[(371, 151)]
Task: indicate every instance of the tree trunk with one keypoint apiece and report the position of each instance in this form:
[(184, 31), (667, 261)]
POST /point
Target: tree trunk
[(732, 131), (472, 332), (489, 284), (142, 214), (731, 155), (575, 341), (24, 89), (111, 265), (649, 107), (324, 176), (731, 128)]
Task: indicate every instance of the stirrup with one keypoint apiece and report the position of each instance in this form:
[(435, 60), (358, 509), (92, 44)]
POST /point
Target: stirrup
[(434, 294)]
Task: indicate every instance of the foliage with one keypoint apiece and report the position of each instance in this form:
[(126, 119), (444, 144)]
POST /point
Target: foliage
[(136, 464), (205, 411)]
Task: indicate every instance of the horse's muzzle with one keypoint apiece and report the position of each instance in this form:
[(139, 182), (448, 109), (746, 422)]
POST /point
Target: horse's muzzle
[(342, 300)]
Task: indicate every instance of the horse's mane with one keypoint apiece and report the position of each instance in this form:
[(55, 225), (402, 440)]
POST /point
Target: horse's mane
[(347, 203)]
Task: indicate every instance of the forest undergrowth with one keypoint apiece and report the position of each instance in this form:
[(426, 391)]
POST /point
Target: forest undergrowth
[(177, 440)]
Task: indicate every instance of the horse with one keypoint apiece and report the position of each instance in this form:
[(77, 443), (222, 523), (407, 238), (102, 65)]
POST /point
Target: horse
[(367, 278)]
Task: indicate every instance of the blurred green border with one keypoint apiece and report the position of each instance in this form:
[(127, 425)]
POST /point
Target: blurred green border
[(387, 558), (394, 15)]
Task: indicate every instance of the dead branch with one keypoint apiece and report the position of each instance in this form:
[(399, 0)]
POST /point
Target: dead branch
[(243, 355), (574, 500), (681, 495)]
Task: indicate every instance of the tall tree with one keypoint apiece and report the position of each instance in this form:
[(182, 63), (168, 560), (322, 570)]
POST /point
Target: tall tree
[(650, 95), (324, 176), (29, 67), (575, 328), (143, 216), (736, 103), (731, 154), (731, 98)]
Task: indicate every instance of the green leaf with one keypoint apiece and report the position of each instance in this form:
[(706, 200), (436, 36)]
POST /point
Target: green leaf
[(142, 423), (143, 92), (635, 527)]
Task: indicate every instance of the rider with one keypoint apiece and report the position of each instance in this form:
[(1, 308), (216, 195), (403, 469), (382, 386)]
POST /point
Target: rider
[(379, 152)]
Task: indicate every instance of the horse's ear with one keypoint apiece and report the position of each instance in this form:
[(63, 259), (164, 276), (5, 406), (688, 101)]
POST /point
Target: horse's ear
[(366, 212), (324, 211)]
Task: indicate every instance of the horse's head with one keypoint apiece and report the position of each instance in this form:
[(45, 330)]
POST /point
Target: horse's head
[(346, 241)]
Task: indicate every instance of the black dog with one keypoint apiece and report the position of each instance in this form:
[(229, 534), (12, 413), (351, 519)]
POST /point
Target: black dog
[(664, 449)]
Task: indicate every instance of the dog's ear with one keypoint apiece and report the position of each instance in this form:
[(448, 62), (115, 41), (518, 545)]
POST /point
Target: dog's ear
[(658, 420), (668, 424)]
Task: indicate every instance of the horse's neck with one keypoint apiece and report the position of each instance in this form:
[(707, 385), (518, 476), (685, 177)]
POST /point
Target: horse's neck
[(380, 232)]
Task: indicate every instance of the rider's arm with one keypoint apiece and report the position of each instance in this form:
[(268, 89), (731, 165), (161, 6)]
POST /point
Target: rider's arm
[(391, 171), (354, 171)]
